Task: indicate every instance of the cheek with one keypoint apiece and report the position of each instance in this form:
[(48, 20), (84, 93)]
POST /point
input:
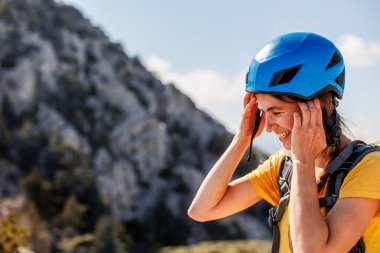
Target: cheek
[(288, 121)]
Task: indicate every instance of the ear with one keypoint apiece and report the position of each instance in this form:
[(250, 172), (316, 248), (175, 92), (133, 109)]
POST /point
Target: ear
[(327, 105)]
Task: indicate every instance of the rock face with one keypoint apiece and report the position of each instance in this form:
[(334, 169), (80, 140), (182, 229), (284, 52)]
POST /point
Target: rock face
[(62, 82)]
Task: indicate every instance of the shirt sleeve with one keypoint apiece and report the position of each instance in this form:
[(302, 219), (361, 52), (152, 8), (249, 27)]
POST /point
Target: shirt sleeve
[(264, 178), (363, 180)]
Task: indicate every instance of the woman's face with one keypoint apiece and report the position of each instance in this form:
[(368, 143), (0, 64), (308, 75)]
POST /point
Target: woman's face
[(279, 117)]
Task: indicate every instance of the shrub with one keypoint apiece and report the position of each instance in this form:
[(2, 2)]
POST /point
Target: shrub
[(106, 239), (12, 236)]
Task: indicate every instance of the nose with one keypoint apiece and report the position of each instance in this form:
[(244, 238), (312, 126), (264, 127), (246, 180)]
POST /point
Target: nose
[(270, 124)]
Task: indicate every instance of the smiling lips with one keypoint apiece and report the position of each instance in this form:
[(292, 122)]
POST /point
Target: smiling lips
[(283, 135)]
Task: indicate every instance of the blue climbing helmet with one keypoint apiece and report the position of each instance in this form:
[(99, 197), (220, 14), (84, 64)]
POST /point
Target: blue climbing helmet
[(304, 65)]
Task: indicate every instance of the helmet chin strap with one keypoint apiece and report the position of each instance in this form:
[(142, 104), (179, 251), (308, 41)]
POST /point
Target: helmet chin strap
[(255, 130), (334, 125), (336, 130)]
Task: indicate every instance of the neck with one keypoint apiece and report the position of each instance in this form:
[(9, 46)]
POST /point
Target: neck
[(321, 162), (326, 156), (323, 159)]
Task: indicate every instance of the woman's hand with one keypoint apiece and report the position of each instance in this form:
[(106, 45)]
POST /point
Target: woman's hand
[(249, 117), (308, 134)]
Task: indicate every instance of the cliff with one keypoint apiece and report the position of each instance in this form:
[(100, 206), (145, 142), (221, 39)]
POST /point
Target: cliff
[(83, 124)]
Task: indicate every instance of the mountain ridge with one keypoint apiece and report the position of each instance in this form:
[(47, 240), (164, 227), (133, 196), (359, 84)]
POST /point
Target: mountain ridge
[(84, 124)]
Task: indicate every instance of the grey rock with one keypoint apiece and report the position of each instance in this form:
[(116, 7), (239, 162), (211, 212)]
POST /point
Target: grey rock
[(19, 85), (50, 123), (252, 227), (147, 144), (144, 142)]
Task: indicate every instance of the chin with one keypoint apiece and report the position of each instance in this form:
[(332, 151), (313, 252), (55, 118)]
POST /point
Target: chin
[(287, 147)]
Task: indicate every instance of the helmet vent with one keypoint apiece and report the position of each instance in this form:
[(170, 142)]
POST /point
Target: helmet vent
[(284, 76), (340, 79), (334, 60)]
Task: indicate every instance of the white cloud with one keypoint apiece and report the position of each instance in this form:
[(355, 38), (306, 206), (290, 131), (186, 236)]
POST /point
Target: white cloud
[(220, 96), (203, 86), (157, 65), (212, 92), (358, 52)]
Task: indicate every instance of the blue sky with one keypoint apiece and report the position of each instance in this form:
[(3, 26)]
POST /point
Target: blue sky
[(205, 47)]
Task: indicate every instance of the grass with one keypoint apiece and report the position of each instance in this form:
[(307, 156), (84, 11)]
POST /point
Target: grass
[(238, 246)]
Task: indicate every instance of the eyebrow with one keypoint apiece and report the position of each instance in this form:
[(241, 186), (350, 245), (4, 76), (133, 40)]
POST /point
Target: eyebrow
[(272, 108)]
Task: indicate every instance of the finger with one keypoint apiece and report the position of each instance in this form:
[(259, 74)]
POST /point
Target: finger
[(317, 103), (305, 114), (250, 109), (319, 123), (297, 121), (313, 113), (251, 103), (248, 97)]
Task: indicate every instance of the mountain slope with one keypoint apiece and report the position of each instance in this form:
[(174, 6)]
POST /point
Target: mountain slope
[(83, 124)]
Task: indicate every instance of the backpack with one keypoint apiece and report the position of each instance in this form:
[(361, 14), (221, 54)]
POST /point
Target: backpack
[(337, 169)]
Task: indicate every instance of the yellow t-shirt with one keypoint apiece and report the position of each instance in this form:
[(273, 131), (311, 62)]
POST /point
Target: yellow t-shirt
[(362, 181)]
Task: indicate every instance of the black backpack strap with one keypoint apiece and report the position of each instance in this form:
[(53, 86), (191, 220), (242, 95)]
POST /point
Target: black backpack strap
[(276, 213), (343, 157), (339, 174), (328, 201), (339, 169), (336, 178)]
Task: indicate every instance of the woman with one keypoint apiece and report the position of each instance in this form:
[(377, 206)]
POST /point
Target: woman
[(295, 81)]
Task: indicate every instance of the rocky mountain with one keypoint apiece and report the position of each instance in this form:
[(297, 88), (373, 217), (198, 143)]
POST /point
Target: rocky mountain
[(87, 131)]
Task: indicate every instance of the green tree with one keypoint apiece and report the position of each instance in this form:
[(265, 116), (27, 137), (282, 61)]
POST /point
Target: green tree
[(106, 238), (5, 136), (40, 192), (73, 212)]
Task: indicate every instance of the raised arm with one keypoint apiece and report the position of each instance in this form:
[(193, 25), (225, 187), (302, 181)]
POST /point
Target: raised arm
[(346, 222), (217, 197)]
